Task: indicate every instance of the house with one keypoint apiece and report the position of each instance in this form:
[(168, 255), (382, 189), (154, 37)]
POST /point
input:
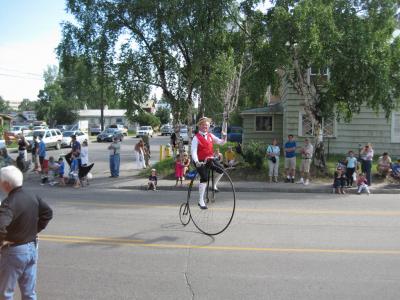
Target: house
[(111, 116), (287, 116)]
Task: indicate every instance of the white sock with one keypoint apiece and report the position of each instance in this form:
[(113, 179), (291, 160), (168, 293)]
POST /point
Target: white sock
[(202, 189), (217, 179)]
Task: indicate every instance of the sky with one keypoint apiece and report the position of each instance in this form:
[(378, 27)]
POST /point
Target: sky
[(30, 30)]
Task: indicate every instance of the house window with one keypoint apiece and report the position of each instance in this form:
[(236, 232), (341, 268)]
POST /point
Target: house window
[(318, 76), (307, 126), (264, 123), (395, 134)]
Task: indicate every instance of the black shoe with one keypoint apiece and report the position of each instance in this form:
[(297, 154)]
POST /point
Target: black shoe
[(202, 207), (215, 190)]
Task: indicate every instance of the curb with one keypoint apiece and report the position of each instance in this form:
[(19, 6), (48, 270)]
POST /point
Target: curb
[(311, 190)]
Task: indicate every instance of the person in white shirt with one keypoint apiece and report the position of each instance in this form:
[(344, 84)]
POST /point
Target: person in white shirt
[(306, 156), (85, 154), (202, 151)]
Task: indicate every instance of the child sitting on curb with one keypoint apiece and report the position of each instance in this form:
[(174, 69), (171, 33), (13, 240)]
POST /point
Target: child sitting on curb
[(152, 185), (362, 184)]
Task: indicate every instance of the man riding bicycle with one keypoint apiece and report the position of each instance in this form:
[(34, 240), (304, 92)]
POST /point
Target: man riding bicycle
[(202, 151)]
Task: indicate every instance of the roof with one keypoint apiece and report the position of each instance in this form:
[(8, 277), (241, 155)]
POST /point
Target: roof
[(272, 108), (107, 112), (4, 116)]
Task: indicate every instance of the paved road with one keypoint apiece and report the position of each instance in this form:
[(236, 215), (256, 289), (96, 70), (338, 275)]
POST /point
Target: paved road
[(119, 244)]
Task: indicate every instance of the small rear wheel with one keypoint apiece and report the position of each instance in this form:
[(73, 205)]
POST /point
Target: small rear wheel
[(184, 214)]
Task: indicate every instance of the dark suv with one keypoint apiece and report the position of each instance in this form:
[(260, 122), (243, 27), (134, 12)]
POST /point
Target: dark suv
[(234, 133)]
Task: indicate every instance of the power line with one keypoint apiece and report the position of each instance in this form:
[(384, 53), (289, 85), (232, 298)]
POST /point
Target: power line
[(19, 71), (20, 76)]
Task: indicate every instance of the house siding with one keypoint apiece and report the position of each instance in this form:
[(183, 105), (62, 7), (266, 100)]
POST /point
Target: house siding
[(250, 133)]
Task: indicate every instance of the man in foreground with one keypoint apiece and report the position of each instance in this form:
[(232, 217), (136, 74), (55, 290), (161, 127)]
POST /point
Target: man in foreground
[(22, 217)]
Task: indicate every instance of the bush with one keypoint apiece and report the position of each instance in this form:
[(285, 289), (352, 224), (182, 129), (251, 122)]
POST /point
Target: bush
[(253, 154)]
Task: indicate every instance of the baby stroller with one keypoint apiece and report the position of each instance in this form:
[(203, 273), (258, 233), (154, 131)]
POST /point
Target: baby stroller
[(83, 171)]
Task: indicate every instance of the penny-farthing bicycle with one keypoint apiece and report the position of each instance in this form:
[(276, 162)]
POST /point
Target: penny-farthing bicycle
[(220, 203)]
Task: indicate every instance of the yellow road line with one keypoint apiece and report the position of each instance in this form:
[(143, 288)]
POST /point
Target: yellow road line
[(258, 210), (138, 243), (87, 238)]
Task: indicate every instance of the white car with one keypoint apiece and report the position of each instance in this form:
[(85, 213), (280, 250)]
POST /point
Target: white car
[(183, 133), (15, 130), (145, 130), (67, 141), (51, 137)]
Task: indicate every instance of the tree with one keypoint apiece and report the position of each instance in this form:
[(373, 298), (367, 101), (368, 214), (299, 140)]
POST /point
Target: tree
[(5, 106), (27, 105), (353, 40), (145, 118), (163, 114), (347, 46), (86, 54), (51, 106)]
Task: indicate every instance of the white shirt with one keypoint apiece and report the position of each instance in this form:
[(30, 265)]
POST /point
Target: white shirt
[(84, 155), (195, 143)]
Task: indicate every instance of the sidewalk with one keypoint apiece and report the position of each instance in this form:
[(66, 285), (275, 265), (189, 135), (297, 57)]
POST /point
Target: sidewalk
[(137, 183)]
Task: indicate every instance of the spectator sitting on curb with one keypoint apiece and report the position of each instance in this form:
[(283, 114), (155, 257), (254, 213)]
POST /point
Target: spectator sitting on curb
[(186, 163), (5, 159), (362, 184), (384, 163), (230, 158), (396, 169), (339, 181), (152, 184), (218, 155)]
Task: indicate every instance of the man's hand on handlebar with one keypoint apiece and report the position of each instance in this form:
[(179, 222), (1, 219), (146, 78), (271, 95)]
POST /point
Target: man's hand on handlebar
[(199, 164)]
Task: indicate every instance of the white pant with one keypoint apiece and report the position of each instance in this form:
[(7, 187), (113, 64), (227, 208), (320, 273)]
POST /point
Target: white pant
[(362, 188), (140, 163)]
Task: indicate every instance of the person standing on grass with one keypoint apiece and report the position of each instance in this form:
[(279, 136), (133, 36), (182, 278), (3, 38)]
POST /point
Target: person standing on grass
[(367, 155), (351, 164), (290, 158), (273, 152), (306, 156), (22, 217)]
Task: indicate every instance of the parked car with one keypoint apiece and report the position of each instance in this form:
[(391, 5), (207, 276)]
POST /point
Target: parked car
[(40, 127), (95, 129), (121, 127), (145, 130), (17, 129), (67, 140), (51, 137), (234, 133), (166, 129), (183, 132), (63, 128), (108, 135)]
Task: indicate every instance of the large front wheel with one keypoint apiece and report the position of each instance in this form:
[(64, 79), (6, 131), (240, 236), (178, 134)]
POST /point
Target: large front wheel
[(220, 205)]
